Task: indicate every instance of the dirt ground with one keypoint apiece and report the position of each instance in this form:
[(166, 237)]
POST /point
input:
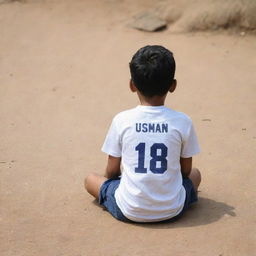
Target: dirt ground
[(63, 76)]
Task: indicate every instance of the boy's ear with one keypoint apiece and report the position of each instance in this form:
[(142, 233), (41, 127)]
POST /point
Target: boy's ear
[(132, 86), (173, 86)]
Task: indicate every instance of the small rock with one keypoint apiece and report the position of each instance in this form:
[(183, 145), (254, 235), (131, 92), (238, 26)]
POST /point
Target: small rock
[(148, 22), (242, 33), (206, 119)]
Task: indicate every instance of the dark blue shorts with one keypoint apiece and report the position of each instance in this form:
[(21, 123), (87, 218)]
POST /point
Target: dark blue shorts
[(107, 198)]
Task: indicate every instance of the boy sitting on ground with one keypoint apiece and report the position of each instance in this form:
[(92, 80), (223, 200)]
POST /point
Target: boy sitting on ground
[(153, 144)]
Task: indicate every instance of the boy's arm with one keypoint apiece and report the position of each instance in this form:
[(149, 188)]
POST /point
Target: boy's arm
[(113, 167), (186, 166)]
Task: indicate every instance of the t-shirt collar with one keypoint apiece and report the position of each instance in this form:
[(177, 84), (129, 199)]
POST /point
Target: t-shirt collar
[(151, 108)]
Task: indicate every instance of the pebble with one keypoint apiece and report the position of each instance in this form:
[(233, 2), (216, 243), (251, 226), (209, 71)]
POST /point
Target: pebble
[(148, 22)]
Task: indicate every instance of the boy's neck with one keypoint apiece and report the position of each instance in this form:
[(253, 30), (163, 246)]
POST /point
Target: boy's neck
[(151, 101)]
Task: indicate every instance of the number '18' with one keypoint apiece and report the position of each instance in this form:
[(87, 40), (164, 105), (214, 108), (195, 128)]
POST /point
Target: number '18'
[(155, 157)]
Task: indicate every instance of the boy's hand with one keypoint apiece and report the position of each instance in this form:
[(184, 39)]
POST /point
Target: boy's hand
[(113, 167), (186, 166)]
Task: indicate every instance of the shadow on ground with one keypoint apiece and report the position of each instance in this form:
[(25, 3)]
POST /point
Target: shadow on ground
[(204, 212)]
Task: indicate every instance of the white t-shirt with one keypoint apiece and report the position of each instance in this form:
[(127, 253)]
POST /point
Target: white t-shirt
[(151, 140)]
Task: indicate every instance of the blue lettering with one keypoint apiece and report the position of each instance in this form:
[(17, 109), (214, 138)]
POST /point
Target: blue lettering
[(151, 127), (158, 129), (138, 127), (144, 127), (165, 128)]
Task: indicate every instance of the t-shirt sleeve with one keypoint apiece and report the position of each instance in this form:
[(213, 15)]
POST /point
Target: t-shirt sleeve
[(112, 143), (190, 144)]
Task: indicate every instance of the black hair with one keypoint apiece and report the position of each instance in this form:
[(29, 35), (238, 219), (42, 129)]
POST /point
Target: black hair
[(152, 70)]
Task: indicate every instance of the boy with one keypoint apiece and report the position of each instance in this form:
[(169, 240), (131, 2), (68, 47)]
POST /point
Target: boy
[(154, 145)]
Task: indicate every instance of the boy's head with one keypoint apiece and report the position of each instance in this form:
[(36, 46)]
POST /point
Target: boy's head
[(152, 70)]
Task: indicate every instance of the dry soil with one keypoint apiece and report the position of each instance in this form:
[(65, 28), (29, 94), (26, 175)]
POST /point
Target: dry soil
[(63, 76)]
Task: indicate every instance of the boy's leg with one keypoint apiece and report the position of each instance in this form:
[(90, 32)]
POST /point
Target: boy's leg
[(92, 184), (195, 177)]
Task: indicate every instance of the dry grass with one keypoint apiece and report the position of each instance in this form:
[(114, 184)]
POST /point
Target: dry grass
[(202, 15), (193, 15)]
